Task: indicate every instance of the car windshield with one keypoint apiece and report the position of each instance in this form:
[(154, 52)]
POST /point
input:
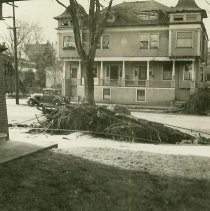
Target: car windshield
[(57, 92), (52, 92)]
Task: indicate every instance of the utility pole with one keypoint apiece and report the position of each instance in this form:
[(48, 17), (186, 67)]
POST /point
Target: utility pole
[(15, 57)]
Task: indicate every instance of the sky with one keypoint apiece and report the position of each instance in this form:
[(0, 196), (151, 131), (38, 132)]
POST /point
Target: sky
[(43, 11)]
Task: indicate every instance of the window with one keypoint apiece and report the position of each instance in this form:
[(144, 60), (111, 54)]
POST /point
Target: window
[(104, 42), (68, 42), (184, 39), (154, 41), (108, 71), (73, 72), (121, 71), (145, 16), (141, 95), (95, 72), (64, 23), (111, 18), (144, 42), (178, 18), (140, 72), (167, 72), (201, 74), (191, 17), (188, 72), (149, 41), (208, 77), (106, 94)]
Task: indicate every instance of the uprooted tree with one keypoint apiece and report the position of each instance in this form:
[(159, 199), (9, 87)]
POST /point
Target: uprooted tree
[(95, 21)]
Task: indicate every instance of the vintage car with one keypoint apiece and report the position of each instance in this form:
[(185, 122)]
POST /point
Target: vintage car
[(49, 96)]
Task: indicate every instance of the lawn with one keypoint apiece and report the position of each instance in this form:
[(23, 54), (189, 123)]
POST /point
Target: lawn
[(52, 181)]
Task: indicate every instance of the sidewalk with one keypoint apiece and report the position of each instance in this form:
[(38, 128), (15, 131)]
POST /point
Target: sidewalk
[(75, 141), (11, 150)]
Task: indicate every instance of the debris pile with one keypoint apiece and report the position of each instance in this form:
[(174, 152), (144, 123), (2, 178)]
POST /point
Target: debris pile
[(102, 122)]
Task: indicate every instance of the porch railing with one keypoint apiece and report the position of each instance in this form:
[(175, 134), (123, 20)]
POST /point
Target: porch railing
[(126, 83)]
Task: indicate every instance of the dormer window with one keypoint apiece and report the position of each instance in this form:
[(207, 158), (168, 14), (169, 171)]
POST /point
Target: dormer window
[(145, 16), (64, 23), (111, 19), (179, 18), (191, 17)]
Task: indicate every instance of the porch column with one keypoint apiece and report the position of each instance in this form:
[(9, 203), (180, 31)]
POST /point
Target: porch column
[(199, 43), (64, 79), (123, 74), (64, 70), (193, 70), (79, 74), (102, 73), (148, 68), (173, 74), (193, 86), (170, 42), (148, 74), (173, 70)]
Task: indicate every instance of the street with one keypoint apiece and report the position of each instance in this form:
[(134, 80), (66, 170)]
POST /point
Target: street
[(21, 113), (199, 123)]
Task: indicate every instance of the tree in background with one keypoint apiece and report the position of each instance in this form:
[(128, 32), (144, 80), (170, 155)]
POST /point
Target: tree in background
[(95, 21), (44, 56), (27, 33)]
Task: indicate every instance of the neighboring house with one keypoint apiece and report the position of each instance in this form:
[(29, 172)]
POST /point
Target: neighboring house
[(24, 67), (149, 54), (53, 71), (207, 71)]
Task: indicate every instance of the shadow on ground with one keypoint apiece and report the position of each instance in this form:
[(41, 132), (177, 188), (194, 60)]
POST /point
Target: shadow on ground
[(51, 181)]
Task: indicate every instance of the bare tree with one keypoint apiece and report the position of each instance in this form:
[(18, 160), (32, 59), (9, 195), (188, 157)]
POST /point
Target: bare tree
[(27, 33), (96, 20)]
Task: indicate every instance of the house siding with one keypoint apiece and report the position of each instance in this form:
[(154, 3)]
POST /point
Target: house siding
[(126, 44), (178, 51)]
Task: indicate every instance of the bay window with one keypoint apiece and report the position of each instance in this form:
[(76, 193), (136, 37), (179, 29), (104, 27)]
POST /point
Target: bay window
[(184, 39)]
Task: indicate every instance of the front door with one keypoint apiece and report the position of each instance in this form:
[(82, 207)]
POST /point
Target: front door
[(142, 74), (114, 72)]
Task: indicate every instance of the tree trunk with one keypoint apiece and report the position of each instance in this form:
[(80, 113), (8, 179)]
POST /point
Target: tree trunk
[(89, 81), (3, 109)]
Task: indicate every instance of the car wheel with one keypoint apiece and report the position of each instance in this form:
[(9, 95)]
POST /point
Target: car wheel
[(31, 103), (57, 103)]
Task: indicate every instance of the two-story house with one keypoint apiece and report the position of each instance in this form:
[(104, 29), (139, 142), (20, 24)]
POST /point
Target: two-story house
[(149, 54)]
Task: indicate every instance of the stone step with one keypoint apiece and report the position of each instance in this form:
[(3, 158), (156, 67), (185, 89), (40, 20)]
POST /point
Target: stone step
[(3, 136), (179, 103)]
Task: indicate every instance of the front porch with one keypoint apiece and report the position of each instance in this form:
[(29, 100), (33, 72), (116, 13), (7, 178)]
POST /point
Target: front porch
[(157, 74), (155, 80)]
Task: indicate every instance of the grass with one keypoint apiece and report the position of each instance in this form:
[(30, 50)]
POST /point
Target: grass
[(50, 181)]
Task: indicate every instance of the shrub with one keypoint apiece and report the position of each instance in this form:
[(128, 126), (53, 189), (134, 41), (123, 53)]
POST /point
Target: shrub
[(121, 110), (198, 103)]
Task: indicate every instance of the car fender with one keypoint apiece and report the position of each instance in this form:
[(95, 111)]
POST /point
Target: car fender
[(58, 98), (32, 98)]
